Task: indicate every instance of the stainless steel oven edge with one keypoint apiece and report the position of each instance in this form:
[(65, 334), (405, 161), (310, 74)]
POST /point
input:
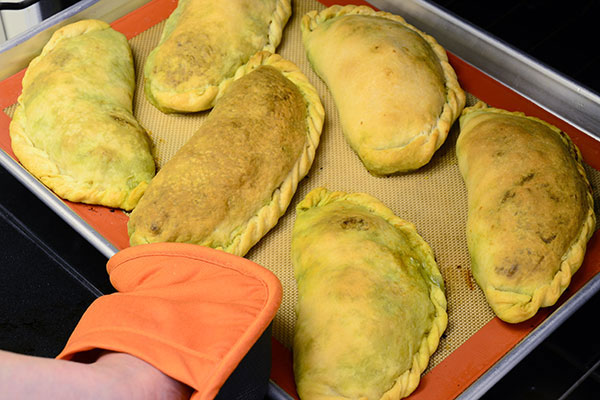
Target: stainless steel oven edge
[(17, 52), (512, 358), (57, 205)]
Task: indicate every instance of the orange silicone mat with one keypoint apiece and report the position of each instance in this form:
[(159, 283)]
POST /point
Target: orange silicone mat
[(433, 198)]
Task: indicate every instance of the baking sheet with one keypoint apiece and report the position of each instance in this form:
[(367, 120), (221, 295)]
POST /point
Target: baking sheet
[(433, 198)]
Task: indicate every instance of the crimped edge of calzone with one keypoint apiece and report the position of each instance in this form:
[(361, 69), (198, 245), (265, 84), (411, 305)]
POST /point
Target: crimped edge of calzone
[(421, 148), (408, 381), (267, 217), (204, 98), (39, 163), (516, 307)]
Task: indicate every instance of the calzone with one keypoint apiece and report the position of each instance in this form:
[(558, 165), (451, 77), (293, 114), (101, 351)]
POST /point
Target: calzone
[(229, 184), (73, 127), (202, 45), (395, 92), (371, 304), (530, 208)]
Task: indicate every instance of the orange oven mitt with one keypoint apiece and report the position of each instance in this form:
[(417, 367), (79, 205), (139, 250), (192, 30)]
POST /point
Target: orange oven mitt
[(191, 311)]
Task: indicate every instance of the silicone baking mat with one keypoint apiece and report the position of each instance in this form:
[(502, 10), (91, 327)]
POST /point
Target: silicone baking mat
[(433, 198)]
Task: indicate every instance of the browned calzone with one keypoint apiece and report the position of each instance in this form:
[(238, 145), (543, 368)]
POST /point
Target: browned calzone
[(530, 208), (202, 45), (396, 94), (230, 183), (371, 304)]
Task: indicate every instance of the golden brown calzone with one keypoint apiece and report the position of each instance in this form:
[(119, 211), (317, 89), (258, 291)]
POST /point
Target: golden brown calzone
[(530, 208), (202, 45), (74, 128), (371, 305), (230, 183), (396, 94)]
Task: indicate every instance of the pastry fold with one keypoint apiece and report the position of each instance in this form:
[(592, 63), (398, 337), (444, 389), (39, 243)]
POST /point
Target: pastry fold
[(396, 94), (530, 208), (202, 45), (371, 304), (73, 127), (232, 181)]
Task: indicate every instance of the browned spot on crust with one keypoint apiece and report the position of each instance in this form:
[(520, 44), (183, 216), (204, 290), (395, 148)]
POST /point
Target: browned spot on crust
[(540, 260), (155, 228), (355, 223), (509, 194), (547, 239), (121, 120), (507, 270), (526, 179)]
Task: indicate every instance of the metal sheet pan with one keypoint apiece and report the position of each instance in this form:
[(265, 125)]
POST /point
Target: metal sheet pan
[(517, 72), (540, 84)]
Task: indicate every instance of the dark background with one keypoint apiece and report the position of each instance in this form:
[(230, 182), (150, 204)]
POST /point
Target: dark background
[(50, 274), (562, 35)]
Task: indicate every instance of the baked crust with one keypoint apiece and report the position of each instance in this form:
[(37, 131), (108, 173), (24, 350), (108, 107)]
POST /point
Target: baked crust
[(371, 304), (73, 127), (230, 183), (202, 45), (530, 208), (396, 94)]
